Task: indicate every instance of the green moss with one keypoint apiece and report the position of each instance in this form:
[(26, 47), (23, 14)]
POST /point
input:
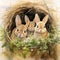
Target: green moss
[(30, 44)]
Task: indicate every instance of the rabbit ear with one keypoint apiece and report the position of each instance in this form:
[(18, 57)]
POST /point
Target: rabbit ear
[(36, 19), (45, 19), (27, 19), (17, 20)]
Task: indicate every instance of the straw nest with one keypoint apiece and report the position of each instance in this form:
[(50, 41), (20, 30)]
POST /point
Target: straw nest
[(29, 9)]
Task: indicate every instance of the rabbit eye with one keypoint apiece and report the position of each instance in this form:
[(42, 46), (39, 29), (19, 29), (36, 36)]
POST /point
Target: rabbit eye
[(25, 31), (37, 26), (17, 29)]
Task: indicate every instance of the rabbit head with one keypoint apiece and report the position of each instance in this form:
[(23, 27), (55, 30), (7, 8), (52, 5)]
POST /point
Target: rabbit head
[(31, 24), (20, 30), (40, 25)]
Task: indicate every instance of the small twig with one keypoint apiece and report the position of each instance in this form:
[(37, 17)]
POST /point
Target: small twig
[(28, 11)]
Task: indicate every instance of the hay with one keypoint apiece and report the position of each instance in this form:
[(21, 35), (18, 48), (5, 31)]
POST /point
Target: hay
[(29, 9)]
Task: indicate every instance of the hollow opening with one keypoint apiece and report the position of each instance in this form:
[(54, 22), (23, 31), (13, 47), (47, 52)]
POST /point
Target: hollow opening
[(30, 12)]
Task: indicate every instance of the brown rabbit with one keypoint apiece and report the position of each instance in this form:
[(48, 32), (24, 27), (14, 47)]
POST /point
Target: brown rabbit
[(20, 30), (40, 29), (31, 25)]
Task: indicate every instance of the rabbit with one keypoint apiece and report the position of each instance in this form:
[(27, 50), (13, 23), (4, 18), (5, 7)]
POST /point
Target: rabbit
[(31, 25), (40, 29), (20, 30)]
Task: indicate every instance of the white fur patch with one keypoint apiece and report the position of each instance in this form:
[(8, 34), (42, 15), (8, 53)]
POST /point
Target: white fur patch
[(39, 23)]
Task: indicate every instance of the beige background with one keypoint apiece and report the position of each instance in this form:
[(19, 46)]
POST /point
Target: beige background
[(6, 4)]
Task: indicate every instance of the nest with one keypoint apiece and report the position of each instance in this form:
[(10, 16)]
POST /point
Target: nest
[(29, 9)]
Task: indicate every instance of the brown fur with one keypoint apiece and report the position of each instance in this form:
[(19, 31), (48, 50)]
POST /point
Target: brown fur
[(20, 30), (40, 29)]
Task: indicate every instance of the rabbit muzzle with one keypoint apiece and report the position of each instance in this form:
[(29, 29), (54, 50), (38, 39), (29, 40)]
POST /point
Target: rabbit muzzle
[(40, 31), (31, 29), (22, 35)]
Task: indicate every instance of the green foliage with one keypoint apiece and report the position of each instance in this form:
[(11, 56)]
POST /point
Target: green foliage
[(28, 45)]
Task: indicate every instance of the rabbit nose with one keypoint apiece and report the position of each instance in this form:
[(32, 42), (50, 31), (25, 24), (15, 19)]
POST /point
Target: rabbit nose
[(18, 35), (21, 35), (39, 30), (31, 29), (43, 31)]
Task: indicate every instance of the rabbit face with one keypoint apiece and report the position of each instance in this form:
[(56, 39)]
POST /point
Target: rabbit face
[(31, 24), (21, 31), (40, 25)]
